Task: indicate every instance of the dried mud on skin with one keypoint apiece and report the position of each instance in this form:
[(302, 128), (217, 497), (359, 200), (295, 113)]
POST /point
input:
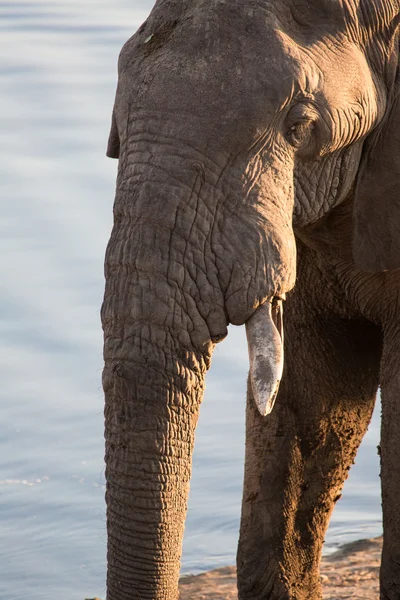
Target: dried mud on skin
[(351, 572)]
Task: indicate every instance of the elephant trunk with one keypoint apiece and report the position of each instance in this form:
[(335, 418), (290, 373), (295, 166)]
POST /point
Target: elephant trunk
[(157, 348), (153, 396), (184, 259)]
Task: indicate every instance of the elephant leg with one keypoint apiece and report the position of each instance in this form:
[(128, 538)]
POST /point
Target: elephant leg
[(390, 466), (298, 458)]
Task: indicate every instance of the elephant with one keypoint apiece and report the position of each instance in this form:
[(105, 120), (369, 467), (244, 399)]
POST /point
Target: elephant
[(259, 169)]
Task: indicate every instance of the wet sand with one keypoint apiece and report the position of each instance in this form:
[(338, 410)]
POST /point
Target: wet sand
[(351, 572)]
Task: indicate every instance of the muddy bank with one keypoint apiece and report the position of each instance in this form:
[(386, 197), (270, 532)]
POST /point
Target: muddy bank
[(351, 572)]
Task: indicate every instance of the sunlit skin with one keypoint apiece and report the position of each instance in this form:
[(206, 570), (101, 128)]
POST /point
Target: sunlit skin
[(259, 157)]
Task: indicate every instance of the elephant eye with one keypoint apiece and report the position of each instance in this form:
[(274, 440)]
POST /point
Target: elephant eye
[(300, 124), (299, 133)]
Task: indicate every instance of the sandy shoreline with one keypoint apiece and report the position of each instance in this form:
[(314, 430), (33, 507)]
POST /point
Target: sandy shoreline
[(351, 572)]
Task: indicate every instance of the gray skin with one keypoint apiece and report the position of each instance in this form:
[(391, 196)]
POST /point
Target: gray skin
[(248, 133)]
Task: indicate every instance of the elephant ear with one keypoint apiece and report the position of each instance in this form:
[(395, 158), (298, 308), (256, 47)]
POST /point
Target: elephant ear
[(376, 217), (113, 145)]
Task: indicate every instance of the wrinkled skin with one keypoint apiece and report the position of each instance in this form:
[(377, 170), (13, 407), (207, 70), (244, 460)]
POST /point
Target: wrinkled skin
[(259, 155)]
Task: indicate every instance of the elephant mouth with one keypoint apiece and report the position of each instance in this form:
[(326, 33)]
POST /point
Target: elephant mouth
[(264, 331)]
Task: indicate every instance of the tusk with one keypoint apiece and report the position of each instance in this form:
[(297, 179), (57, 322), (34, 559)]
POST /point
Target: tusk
[(264, 331)]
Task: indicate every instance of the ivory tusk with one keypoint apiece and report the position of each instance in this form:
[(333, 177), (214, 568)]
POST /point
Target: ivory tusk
[(264, 332)]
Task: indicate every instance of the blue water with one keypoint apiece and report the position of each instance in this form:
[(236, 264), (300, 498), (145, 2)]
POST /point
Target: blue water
[(58, 76)]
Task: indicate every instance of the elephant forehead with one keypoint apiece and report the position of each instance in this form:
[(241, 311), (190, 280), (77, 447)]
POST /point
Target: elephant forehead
[(211, 70)]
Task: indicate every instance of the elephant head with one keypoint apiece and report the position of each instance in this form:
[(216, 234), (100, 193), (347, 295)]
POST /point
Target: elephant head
[(235, 124)]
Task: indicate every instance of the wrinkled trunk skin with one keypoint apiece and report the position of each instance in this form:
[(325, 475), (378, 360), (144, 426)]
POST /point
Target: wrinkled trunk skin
[(151, 413), (157, 349), (163, 310), (187, 255), (153, 386)]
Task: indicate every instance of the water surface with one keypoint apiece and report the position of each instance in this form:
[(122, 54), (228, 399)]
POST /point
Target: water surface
[(58, 76)]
